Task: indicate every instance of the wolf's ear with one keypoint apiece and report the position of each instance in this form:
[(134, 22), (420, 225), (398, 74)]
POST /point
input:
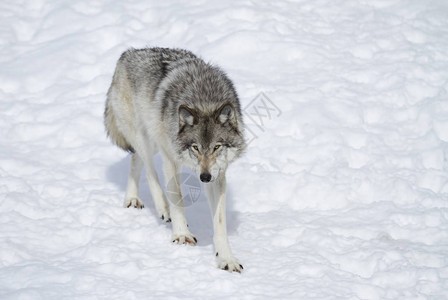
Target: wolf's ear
[(187, 116), (226, 113)]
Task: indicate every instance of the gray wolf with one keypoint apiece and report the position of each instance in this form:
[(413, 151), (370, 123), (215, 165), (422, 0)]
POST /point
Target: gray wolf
[(171, 101)]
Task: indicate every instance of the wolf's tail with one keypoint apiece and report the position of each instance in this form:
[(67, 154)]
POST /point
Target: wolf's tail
[(113, 131)]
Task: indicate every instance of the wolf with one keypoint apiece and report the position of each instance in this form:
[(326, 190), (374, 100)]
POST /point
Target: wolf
[(173, 102)]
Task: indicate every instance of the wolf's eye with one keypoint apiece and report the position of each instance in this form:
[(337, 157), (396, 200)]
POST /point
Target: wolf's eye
[(217, 147), (195, 147)]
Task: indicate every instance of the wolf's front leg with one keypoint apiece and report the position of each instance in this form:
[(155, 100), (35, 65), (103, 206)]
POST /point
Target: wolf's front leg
[(216, 193), (181, 234)]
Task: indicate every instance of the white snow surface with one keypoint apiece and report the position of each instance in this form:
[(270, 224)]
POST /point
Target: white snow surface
[(342, 194)]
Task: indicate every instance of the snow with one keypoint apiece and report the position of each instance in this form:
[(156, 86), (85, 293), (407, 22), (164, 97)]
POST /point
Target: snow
[(342, 194)]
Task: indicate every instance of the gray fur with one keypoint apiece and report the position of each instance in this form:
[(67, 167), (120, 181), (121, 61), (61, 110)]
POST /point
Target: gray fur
[(171, 101), (164, 79)]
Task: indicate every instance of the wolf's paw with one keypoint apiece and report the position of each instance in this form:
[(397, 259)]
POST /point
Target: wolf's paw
[(165, 217), (164, 214), (187, 238), (230, 264), (133, 202)]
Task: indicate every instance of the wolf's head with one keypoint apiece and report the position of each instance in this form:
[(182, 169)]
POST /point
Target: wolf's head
[(210, 139)]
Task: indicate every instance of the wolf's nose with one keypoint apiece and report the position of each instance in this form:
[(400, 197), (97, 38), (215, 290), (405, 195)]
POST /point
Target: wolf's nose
[(205, 177)]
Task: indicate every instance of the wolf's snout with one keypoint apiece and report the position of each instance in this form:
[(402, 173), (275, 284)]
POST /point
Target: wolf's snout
[(205, 177)]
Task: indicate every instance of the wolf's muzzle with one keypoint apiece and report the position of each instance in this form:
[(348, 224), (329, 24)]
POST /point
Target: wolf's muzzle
[(205, 177)]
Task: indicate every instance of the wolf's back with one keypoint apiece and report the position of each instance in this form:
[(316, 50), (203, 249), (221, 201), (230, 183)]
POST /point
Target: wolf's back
[(150, 65), (138, 72)]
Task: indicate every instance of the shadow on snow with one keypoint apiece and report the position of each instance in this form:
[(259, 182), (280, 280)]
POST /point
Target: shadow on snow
[(198, 213)]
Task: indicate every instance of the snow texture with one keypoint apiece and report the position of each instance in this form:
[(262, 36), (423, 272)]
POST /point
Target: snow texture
[(343, 192)]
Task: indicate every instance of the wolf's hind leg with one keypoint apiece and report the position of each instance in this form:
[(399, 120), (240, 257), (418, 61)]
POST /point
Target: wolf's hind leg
[(131, 198), (156, 190)]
